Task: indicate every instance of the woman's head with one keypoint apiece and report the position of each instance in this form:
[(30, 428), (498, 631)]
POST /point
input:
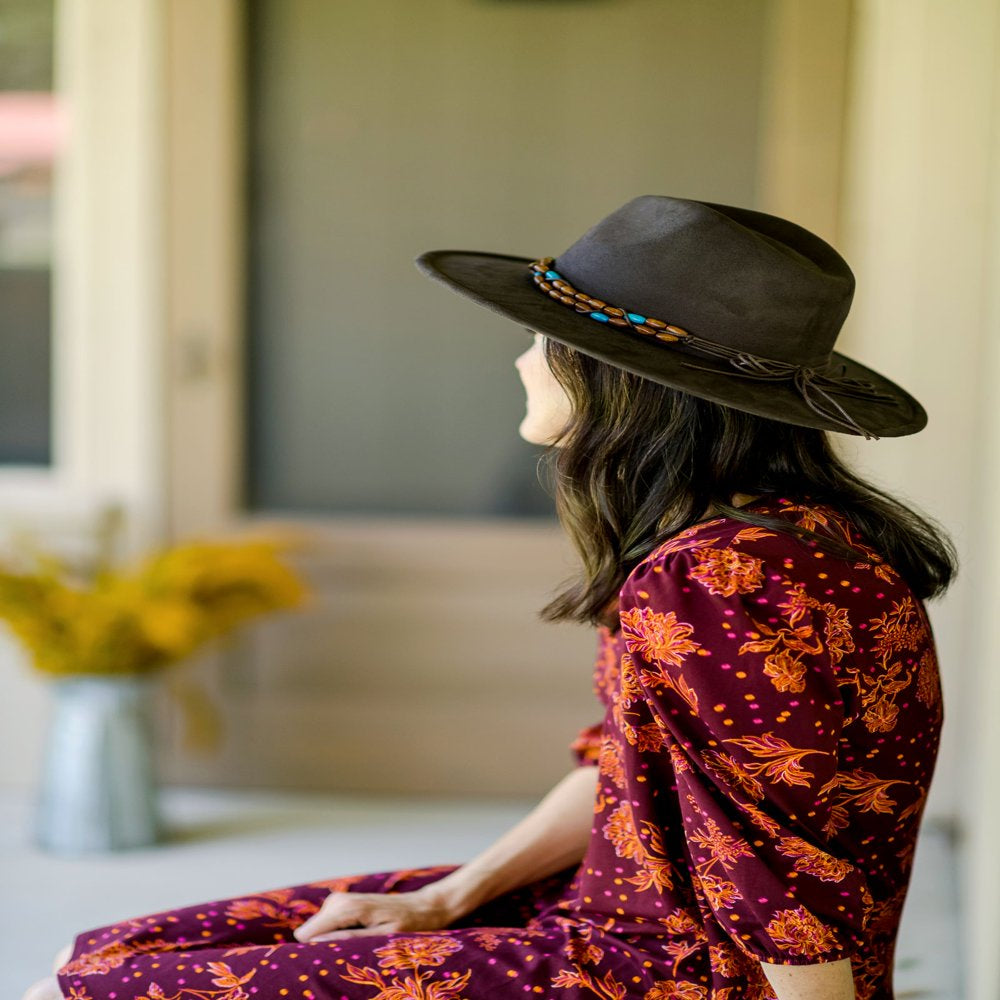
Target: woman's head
[(634, 461)]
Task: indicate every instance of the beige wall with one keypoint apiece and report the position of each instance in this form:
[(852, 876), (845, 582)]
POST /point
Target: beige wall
[(921, 226)]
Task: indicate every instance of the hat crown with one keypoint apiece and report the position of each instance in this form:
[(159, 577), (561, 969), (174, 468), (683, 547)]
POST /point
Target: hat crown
[(745, 279)]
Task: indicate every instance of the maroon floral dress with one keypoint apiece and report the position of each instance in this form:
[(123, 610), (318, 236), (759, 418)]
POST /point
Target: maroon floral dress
[(771, 726)]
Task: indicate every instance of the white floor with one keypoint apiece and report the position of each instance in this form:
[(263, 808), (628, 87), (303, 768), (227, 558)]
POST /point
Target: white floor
[(227, 843)]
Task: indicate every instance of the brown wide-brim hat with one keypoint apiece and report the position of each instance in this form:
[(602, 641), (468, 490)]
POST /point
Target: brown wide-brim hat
[(732, 305)]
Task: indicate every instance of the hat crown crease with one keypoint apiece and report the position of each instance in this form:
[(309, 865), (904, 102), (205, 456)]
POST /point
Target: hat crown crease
[(778, 295)]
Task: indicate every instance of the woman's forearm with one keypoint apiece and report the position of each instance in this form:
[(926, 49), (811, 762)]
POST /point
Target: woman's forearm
[(551, 837), (823, 981)]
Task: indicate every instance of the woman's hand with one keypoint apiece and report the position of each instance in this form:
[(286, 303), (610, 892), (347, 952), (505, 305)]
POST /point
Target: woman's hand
[(551, 837), (350, 914)]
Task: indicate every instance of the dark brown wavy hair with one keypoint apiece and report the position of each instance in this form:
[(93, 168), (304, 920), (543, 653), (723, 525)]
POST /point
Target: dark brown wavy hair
[(638, 462)]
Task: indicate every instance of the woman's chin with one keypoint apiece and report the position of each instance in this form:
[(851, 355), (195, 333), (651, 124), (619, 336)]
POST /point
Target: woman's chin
[(533, 435)]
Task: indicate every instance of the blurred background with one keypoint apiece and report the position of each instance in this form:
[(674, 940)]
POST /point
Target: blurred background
[(210, 320)]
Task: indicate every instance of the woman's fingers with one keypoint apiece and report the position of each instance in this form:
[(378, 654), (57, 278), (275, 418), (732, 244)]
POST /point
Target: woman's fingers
[(339, 910), (352, 914), (386, 928)]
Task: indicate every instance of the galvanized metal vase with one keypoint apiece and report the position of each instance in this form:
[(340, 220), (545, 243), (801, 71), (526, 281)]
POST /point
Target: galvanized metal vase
[(98, 786)]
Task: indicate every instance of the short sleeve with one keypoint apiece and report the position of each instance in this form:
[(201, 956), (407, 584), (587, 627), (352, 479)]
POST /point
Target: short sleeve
[(735, 665)]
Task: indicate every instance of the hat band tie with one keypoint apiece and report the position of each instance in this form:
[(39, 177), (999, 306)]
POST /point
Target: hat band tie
[(814, 385)]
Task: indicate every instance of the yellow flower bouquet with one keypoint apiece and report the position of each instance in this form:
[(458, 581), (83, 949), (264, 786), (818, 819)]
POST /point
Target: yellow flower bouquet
[(104, 636), (135, 621)]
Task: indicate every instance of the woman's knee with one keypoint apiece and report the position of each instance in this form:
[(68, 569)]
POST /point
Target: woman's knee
[(44, 989), (62, 957)]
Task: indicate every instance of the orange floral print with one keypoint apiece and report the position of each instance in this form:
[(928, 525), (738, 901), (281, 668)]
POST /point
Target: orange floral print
[(230, 986), (928, 681), (621, 830), (787, 672), (727, 572), (726, 960), (657, 636), (611, 762), (724, 849), (412, 952), (785, 760), (800, 933), (864, 790), (671, 989), (114, 956), (813, 861), (733, 774), (277, 908), (415, 987), (607, 988)]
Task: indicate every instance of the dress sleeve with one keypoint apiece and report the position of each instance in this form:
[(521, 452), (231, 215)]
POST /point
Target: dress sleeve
[(586, 748), (738, 671)]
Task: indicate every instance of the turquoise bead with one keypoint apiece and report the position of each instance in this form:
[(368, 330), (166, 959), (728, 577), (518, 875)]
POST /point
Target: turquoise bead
[(600, 317), (636, 318), (553, 275)]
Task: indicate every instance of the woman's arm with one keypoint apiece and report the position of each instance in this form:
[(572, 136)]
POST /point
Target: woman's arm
[(822, 981), (551, 837)]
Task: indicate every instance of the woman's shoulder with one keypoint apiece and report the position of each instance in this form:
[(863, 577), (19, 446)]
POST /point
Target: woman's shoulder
[(730, 551)]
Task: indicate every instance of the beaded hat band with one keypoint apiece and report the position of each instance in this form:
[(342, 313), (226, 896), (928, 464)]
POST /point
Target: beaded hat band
[(813, 385)]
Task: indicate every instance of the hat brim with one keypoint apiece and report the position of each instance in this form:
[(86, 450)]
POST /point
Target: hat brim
[(504, 285)]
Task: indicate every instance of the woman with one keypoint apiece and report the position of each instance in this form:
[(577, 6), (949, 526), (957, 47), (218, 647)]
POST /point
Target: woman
[(742, 822)]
